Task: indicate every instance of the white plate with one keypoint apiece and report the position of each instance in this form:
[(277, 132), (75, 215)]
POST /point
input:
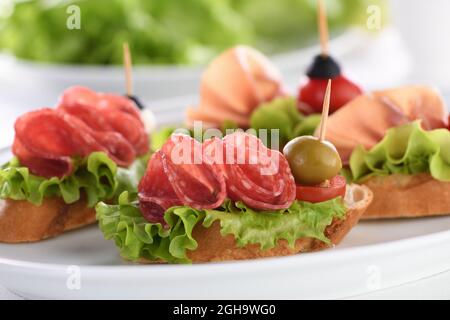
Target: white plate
[(375, 255)]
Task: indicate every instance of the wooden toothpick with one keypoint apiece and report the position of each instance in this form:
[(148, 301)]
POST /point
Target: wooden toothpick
[(323, 27), (128, 69), (325, 110)]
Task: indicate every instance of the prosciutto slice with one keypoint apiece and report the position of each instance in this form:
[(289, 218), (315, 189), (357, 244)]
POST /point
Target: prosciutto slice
[(365, 119), (233, 85)]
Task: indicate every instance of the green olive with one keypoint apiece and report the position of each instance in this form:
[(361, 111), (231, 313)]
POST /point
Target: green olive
[(312, 161)]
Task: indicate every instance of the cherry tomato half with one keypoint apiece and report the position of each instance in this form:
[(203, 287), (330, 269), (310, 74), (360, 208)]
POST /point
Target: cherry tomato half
[(315, 194), (313, 91)]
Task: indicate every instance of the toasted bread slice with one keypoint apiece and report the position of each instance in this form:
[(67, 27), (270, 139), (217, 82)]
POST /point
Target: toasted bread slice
[(22, 221), (407, 196), (212, 246)]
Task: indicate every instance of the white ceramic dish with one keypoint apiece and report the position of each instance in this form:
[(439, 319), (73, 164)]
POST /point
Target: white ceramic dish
[(49, 269), (375, 255)]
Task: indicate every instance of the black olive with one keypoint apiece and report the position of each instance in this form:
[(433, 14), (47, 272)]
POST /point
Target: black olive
[(323, 67), (136, 101)]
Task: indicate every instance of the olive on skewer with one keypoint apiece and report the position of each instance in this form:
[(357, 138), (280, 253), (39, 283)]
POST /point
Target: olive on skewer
[(315, 163)]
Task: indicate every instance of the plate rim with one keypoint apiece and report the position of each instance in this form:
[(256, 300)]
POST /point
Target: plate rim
[(179, 270)]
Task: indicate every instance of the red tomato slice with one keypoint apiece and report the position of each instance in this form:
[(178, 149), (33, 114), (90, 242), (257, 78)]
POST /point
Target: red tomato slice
[(343, 91), (319, 194)]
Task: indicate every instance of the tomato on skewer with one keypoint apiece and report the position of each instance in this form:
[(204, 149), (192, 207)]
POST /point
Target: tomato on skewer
[(310, 95), (334, 188), (313, 91)]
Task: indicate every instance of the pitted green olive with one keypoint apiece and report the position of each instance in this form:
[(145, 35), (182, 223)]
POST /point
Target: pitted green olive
[(312, 161)]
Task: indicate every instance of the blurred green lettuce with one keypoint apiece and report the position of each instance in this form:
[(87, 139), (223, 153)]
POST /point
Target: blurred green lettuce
[(162, 31)]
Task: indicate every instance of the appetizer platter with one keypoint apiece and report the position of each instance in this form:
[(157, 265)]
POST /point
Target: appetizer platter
[(243, 194)]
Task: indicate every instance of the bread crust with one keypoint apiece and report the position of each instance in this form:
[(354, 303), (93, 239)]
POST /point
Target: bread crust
[(212, 246), (407, 196), (22, 221)]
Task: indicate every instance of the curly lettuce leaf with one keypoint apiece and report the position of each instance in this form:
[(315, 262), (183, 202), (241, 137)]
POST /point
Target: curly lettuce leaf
[(301, 219), (307, 126), (282, 114), (97, 176), (137, 238), (406, 149), (128, 178)]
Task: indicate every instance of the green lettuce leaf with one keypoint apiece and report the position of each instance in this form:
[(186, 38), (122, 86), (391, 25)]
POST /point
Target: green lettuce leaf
[(128, 178), (97, 175), (307, 126), (407, 149), (165, 31), (137, 238), (161, 136), (282, 114)]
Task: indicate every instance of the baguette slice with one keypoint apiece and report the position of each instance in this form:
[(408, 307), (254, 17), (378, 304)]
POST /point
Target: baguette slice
[(407, 196), (22, 221), (212, 246)]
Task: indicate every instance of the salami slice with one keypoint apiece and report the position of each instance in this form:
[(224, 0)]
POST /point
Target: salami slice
[(156, 194), (121, 103), (256, 175), (49, 134), (78, 95), (53, 136), (116, 146), (87, 113), (213, 152), (197, 182), (84, 122), (177, 175), (107, 112), (56, 167), (130, 128)]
